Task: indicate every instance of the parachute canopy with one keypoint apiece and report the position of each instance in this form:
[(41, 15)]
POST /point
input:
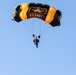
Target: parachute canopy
[(48, 14)]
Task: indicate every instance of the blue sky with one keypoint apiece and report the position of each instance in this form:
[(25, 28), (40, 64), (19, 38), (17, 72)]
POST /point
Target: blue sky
[(56, 54)]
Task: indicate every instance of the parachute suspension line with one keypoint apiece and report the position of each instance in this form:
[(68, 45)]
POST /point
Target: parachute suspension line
[(40, 28), (27, 27), (33, 26), (44, 30)]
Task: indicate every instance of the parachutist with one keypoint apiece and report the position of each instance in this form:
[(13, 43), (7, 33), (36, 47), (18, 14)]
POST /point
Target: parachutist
[(48, 14), (36, 40)]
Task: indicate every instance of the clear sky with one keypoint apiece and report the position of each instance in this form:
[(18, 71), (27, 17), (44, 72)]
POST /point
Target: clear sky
[(56, 54)]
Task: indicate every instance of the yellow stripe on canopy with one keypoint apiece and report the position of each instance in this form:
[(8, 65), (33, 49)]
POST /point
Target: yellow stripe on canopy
[(24, 8), (50, 15)]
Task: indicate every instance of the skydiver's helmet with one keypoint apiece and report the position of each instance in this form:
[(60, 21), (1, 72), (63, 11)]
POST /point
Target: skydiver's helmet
[(56, 20)]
